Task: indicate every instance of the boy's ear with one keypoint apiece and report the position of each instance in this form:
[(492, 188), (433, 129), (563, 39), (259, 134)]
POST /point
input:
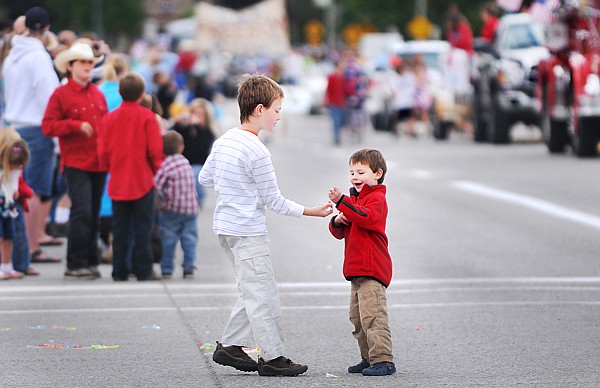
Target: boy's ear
[(258, 109)]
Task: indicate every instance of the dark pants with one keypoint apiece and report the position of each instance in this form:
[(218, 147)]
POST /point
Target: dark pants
[(132, 225), (85, 190), (20, 255)]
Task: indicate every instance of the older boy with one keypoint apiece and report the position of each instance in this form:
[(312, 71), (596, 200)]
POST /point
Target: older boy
[(367, 262), (239, 168), (132, 150)]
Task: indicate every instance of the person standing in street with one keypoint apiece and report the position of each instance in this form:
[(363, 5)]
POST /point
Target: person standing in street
[(367, 263), (131, 148), (29, 81), (73, 115), (335, 99), (178, 206), (239, 168)]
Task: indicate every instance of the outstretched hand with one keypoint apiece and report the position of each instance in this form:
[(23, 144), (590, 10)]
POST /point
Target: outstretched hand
[(321, 210), (335, 194)]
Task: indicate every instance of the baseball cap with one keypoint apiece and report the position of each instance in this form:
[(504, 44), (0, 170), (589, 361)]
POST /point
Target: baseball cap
[(37, 18)]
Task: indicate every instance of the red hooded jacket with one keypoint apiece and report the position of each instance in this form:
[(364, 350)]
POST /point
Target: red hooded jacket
[(366, 244)]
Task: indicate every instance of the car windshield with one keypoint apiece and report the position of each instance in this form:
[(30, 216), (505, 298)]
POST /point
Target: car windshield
[(521, 36)]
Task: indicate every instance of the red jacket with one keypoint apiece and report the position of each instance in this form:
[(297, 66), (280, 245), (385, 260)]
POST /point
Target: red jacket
[(70, 105), (334, 94), (25, 193), (488, 31), (366, 244), (132, 149), (461, 38)]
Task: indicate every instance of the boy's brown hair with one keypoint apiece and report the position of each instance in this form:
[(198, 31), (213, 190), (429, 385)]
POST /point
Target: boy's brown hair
[(372, 158), (256, 90), (172, 142), (131, 86)]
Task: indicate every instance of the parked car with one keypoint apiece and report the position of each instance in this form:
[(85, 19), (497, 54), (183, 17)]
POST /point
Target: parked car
[(504, 77), (448, 82)]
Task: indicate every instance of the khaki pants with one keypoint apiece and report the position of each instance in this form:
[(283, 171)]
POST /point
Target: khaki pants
[(368, 314), (256, 317)]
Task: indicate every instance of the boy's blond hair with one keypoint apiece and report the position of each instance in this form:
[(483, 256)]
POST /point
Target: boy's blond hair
[(256, 90), (372, 158), (13, 151)]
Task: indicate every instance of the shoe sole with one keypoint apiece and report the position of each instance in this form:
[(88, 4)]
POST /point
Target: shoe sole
[(221, 357), (282, 372)]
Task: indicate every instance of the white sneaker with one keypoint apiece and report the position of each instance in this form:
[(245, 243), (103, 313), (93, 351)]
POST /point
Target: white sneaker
[(4, 276)]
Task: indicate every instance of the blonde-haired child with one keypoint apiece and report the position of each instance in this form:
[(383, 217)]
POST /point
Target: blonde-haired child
[(14, 155)]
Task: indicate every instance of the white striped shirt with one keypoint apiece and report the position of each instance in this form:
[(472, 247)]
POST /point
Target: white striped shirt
[(239, 167)]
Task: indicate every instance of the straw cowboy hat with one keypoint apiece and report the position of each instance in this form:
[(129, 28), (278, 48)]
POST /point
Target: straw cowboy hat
[(78, 51)]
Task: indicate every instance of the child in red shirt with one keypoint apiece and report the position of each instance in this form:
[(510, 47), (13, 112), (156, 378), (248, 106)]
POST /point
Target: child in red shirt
[(367, 262), (132, 149)]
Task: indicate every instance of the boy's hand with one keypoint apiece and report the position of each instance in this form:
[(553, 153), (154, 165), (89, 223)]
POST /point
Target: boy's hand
[(321, 210), (87, 129), (335, 194), (341, 219)]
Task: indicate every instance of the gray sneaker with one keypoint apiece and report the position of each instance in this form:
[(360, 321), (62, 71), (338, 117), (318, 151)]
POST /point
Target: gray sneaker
[(96, 272), (79, 273), (234, 356)]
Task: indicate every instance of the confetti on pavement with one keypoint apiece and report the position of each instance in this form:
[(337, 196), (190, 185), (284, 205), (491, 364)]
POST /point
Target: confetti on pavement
[(77, 347)]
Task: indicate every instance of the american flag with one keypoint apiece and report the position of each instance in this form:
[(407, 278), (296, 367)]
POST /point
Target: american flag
[(543, 10), (510, 5)]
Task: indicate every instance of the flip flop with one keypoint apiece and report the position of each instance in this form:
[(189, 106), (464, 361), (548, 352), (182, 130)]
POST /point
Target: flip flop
[(51, 242), (40, 256)]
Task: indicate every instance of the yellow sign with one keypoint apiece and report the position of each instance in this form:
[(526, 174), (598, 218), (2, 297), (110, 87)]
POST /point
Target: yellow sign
[(419, 27), (314, 31)]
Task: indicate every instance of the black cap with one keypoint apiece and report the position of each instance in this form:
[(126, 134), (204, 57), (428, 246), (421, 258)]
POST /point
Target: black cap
[(37, 18)]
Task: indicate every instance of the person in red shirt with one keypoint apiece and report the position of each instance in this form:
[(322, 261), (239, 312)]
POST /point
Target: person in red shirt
[(73, 115), (132, 150), (367, 262), (335, 99), (489, 12), (459, 33)]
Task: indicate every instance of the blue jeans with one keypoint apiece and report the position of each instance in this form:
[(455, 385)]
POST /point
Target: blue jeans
[(21, 257), (132, 232), (199, 188), (176, 227), (38, 172), (338, 117)]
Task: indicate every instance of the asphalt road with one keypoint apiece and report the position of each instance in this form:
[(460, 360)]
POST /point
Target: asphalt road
[(496, 280)]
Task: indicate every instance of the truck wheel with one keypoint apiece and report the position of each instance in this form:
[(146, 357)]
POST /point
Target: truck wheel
[(441, 130), (500, 125), (555, 135), (586, 141), (479, 125)]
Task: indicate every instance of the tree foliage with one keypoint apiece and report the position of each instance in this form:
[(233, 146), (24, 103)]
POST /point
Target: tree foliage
[(117, 16)]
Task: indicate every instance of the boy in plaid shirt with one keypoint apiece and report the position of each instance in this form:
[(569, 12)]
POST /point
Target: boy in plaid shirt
[(178, 206)]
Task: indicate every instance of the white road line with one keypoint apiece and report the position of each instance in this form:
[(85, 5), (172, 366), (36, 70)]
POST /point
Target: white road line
[(529, 202), (159, 288), (129, 310)]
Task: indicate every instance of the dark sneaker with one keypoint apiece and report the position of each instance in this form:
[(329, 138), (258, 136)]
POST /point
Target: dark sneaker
[(234, 356), (280, 366), (380, 369), (188, 273), (167, 275), (358, 368), (152, 276), (79, 273)]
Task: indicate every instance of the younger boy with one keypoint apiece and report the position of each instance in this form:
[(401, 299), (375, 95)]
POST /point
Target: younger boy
[(367, 262), (239, 167), (178, 203), (132, 150)]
